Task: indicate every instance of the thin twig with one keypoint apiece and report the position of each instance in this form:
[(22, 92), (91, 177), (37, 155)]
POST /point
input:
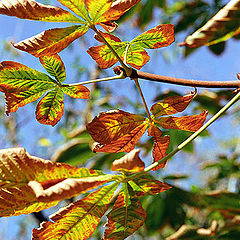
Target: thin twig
[(143, 99), (184, 82)]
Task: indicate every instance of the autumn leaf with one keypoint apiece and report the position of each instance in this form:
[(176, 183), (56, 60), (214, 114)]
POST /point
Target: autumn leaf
[(23, 85), (131, 162), (26, 180), (172, 105), (221, 27), (160, 145), (79, 219), (117, 130), (146, 184), (132, 52), (52, 41), (126, 217)]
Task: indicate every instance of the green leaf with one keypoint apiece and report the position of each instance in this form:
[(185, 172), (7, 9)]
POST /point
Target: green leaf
[(54, 66), (157, 37), (22, 84), (50, 109), (78, 91), (77, 6), (126, 217), (78, 220)]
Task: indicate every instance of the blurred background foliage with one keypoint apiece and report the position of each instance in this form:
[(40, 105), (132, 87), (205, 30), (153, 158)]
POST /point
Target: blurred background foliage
[(204, 202)]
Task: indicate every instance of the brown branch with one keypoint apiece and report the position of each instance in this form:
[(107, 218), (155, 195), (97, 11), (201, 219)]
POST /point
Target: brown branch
[(184, 82)]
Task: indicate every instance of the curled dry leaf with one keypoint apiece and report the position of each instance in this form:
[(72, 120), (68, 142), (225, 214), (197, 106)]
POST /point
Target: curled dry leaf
[(131, 162), (66, 188)]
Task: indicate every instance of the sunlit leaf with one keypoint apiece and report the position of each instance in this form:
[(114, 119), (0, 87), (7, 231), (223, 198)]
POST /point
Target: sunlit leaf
[(148, 185), (22, 84), (172, 105), (78, 91), (79, 219), (117, 130), (160, 36), (126, 217), (51, 41), (97, 8), (20, 200), (118, 8), (160, 145), (186, 123), (50, 109), (32, 10), (54, 66), (77, 6), (131, 162), (132, 52), (18, 169)]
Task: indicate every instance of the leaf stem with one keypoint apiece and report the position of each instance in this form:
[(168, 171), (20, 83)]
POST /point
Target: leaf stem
[(191, 138), (184, 82), (121, 76), (127, 69), (143, 99)]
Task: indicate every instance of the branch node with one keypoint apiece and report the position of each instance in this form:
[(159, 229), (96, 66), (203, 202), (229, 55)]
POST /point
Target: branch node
[(119, 70)]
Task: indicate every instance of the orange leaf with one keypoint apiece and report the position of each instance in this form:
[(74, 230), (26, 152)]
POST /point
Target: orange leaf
[(78, 91), (186, 123), (172, 105), (131, 162), (32, 10), (118, 8), (160, 145), (117, 130), (111, 125), (51, 41)]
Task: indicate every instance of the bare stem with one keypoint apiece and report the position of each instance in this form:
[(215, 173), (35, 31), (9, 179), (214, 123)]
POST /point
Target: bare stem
[(191, 138), (143, 99), (127, 69), (121, 76), (184, 82)]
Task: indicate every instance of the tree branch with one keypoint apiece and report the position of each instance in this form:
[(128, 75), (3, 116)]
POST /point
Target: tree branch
[(184, 82)]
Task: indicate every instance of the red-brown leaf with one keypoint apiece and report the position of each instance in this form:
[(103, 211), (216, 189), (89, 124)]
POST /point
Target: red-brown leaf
[(186, 123), (172, 105), (160, 145)]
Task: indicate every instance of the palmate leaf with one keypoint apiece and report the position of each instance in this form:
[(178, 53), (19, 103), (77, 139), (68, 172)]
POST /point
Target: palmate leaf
[(23, 85), (55, 40), (126, 217), (19, 171), (79, 219), (132, 52), (117, 130), (221, 27), (131, 162), (160, 145)]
